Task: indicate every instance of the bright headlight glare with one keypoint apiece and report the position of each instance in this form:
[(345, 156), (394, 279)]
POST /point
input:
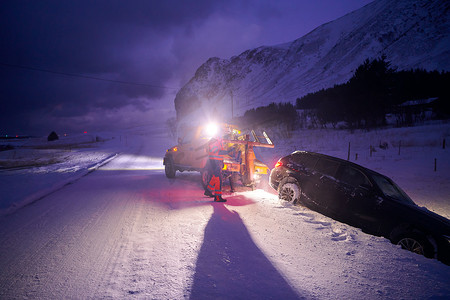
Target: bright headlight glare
[(211, 129)]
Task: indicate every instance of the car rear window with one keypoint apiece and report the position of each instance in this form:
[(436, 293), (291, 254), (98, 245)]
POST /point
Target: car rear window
[(327, 167), (304, 160)]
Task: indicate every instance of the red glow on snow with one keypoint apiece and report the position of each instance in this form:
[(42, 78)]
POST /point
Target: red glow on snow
[(186, 192)]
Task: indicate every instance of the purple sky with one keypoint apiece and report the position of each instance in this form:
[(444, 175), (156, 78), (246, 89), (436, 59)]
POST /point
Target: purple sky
[(156, 43)]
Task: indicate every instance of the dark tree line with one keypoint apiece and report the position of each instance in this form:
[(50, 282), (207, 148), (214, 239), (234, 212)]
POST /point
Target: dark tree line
[(374, 90), (272, 113)]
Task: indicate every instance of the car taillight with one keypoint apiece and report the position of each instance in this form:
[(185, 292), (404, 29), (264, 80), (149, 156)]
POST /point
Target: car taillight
[(278, 164)]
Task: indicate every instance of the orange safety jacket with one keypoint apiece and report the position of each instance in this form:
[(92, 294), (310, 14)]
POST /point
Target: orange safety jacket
[(216, 150)]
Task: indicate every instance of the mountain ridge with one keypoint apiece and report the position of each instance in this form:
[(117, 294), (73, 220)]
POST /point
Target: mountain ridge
[(412, 34)]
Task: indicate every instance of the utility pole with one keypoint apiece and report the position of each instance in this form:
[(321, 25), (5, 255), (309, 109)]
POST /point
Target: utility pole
[(232, 108)]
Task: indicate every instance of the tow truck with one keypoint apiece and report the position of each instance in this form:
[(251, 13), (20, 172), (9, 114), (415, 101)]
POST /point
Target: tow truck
[(240, 164)]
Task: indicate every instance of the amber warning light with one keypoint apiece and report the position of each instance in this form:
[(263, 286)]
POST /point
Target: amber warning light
[(278, 164)]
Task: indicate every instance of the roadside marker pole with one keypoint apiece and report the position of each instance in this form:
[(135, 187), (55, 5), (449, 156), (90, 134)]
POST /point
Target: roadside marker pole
[(348, 156)]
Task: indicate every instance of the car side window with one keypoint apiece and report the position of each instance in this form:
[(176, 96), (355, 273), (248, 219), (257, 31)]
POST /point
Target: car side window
[(304, 160), (353, 176), (327, 167)]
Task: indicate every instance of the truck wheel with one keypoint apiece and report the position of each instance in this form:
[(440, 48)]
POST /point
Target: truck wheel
[(206, 177), (245, 180), (263, 182), (170, 168), (234, 178)]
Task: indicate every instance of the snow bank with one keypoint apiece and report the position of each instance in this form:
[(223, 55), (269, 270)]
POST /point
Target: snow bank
[(34, 168)]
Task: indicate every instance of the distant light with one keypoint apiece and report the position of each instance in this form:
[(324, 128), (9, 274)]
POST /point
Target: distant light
[(85, 132)]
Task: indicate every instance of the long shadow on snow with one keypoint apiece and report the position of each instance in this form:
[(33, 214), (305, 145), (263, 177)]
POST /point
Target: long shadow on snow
[(231, 266)]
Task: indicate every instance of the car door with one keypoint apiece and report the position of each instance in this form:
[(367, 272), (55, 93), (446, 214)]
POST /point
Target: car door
[(393, 205), (362, 206), (322, 188), (302, 166)]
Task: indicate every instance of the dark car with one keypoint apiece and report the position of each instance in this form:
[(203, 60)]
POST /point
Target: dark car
[(362, 198)]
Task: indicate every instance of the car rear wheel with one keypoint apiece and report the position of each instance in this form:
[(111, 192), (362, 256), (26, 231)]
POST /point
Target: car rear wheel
[(289, 190), (169, 168)]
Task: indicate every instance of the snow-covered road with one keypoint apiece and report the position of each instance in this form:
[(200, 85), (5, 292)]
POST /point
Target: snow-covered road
[(126, 231)]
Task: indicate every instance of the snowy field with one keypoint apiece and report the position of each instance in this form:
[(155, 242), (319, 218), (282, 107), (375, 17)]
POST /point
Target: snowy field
[(409, 158), (93, 216)]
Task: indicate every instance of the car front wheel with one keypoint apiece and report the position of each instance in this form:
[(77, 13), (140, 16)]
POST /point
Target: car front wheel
[(412, 245), (289, 190), (416, 242)]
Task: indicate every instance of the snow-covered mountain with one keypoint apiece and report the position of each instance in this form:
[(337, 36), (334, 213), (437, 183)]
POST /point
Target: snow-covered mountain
[(412, 34)]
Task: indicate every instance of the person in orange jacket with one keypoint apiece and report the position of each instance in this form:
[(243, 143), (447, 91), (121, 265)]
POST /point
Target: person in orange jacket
[(216, 153)]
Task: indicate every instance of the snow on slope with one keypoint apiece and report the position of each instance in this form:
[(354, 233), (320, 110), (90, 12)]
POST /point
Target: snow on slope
[(412, 34), (126, 231)]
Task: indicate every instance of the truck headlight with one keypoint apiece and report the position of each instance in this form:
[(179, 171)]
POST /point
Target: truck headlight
[(211, 129)]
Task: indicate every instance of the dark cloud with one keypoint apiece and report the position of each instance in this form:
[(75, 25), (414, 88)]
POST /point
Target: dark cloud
[(158, 44)]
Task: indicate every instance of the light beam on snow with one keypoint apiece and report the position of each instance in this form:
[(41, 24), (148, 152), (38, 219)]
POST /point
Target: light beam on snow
[(128, 162)]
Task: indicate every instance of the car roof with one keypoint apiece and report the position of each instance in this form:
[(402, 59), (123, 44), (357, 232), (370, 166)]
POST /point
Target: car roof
[(346, 162)]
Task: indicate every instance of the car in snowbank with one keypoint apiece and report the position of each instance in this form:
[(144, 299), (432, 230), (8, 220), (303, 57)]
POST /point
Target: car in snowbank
[(363, 198)]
